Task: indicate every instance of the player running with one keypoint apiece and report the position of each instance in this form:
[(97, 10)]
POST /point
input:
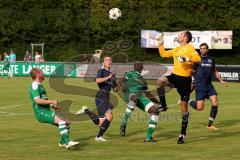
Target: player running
[(42, 109), (106, 81), (184, 56), (204, 88), (133, 86), (6, 65)]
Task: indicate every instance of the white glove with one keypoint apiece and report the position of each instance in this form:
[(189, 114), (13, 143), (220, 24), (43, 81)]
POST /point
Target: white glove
[(182, 59), (159, 39)]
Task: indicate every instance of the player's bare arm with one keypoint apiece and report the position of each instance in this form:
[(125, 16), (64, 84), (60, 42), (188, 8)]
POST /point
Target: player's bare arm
[(100, 80), (219, 78), (151, 97)]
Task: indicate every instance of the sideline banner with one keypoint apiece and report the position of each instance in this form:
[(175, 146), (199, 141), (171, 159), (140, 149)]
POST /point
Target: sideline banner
[(81, 70), (214, 39)]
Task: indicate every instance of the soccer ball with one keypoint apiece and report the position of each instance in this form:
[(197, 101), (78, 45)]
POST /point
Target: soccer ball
[(115, 13)]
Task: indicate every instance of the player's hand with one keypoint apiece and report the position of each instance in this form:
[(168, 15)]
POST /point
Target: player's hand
[(112, 75), (224, 83), (159, 39), (54, 102), (56, 107), (123, 88), (182, 59)]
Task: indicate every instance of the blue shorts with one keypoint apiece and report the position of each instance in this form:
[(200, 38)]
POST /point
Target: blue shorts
[(203, 93), (102, 103)]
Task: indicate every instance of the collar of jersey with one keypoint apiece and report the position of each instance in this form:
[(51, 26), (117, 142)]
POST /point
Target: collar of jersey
[(36, 82)]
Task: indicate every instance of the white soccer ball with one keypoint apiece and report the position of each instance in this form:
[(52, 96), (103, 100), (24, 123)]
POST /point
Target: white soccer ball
[(115, 13)]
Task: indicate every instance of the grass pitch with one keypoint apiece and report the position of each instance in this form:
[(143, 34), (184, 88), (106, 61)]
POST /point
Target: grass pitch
[(23, 137)]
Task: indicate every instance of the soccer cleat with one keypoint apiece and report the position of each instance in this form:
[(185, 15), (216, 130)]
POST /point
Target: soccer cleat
[(71, 144), (150, 140), (212, 127), (100, 139), (181, 139), (82, 110), (123, 131), (62, 145)]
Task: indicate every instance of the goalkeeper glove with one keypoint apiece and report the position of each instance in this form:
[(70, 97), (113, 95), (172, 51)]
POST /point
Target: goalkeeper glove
[(159, 39), (182, 59)]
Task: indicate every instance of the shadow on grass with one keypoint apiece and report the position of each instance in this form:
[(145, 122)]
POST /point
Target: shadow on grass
[(221, 133)]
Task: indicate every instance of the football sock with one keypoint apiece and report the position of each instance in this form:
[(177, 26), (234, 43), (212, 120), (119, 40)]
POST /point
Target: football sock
[(193, 104), (92, 116), (127, 114), (63, 129), (184, 122), (103, 127), (161, 95), (213, 114), (152, 125)]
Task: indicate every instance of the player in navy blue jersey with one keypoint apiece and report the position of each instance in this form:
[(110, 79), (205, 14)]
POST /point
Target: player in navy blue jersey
[(106, 81), (204, 89)]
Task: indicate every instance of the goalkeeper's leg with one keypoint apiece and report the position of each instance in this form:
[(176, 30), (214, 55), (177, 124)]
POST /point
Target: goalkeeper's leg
[(163, 81)]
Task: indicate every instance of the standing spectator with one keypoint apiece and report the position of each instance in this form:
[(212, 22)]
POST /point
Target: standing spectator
[(42, 58), (85, 59), (38, 57), (12, 57), (96, 57), (27, 56)]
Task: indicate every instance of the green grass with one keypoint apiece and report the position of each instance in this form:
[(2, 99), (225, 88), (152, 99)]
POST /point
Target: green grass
[(23, 137)]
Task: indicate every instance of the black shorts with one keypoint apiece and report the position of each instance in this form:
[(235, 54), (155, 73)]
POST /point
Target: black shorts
[(182, 84), (102, 103)]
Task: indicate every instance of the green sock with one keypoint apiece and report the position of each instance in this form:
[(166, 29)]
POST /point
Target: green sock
[(149, 133), (127, 114), (125, 119), (63, 129), (152, 125)]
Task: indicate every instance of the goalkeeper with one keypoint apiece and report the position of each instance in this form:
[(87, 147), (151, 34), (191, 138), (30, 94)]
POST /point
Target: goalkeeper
[(133, 85), (183, 56)]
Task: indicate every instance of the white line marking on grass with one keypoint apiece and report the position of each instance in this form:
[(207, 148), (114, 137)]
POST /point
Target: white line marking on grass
[(12, 106)]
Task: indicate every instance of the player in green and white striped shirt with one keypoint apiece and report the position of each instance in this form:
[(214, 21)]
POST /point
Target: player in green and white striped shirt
[(42, 108)]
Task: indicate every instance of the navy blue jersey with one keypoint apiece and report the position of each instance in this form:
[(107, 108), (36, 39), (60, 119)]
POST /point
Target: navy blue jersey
[(203, 72), (107, 85)]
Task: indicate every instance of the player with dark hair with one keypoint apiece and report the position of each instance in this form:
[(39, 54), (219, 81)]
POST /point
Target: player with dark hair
[(184, 56), (133, 86), (106, 81), (204, 89), (42, 108)]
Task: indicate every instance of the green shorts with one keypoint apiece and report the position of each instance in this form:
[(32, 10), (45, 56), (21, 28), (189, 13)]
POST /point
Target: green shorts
[(45, 116), (143, 102), (6, 67)]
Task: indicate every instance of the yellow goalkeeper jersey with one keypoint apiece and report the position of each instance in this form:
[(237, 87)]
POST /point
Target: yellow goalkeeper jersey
[(184, 69)]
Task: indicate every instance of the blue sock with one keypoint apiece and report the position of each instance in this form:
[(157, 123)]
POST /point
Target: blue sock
[(103, 127), (213, 114)]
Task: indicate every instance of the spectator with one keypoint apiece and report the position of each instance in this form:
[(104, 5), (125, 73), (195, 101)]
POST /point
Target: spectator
[(96, 57), (27, 56), (38, 57), (85, 59), (12, 57), (42, 58)]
